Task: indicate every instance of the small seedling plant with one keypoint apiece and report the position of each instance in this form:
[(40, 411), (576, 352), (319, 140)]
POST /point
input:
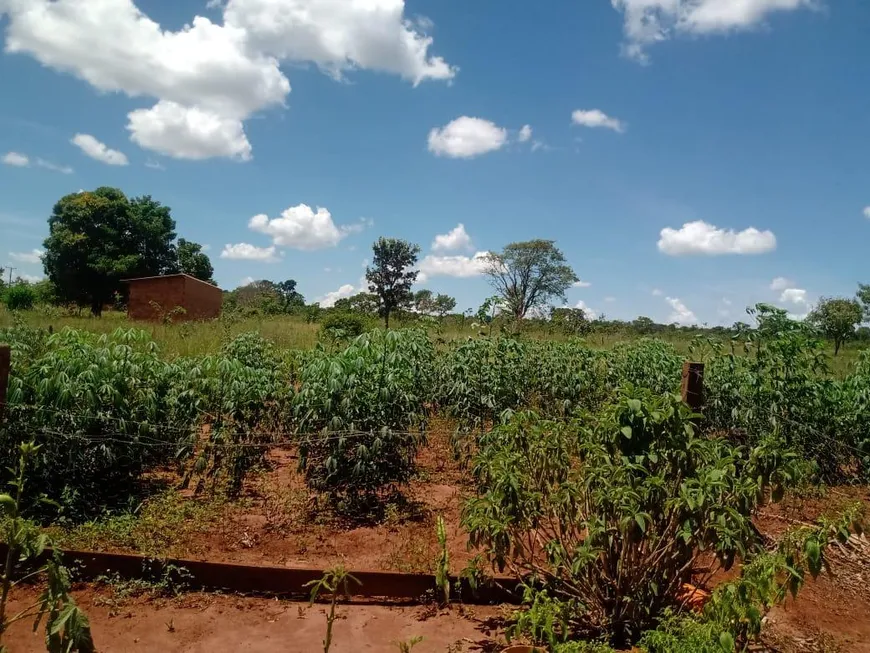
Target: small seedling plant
[(334, 582)]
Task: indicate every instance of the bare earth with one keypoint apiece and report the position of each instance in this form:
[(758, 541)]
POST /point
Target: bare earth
[(271, 526)]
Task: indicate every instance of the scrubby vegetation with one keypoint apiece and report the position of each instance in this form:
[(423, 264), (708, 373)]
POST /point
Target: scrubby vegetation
[(594, 484)]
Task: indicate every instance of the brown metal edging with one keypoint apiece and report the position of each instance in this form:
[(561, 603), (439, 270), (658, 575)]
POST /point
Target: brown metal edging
[(280, 581)]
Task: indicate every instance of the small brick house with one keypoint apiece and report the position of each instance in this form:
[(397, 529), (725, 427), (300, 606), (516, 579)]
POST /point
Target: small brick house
[(199, 299)]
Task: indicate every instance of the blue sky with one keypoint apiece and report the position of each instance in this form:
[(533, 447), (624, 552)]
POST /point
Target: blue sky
[(690, 157)]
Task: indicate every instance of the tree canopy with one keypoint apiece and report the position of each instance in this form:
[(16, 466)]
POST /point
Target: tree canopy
[(266, 297), (193, 261), (99, 238), (527, 275), (836, 318), (391, 275)]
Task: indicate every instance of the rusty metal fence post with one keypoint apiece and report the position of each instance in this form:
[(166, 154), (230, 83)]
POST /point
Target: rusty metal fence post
[(693, 385), (5, 359)]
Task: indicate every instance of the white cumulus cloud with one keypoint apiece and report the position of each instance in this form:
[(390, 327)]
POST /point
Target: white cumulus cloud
[(781, 283), (465, 137), (301, 227), (680, 313), (652, 21), (455, 239), (328, 300), (581, 284), (866, 208), (452, 266), (188, 133), (340, 35), (33, 256), (796, 296), (248, 252), (99, 151), (699, 237), (225, 71), (16, 159), (597, 118)]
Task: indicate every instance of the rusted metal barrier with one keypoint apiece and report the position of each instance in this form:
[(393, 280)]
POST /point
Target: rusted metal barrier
[(278, 581)]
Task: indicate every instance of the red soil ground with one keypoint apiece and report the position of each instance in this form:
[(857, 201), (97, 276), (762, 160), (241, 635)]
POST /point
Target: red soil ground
[(273, 525)]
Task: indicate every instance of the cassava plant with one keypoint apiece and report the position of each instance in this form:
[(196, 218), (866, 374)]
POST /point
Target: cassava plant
[(361, 415), (335, 583), (67, 629), (442, 563), (613, 511)]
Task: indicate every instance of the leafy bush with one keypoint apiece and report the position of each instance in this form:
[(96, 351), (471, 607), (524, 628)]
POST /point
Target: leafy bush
[(775, 379), (481, 378), (646, 363), (19, 297), (361, 413), (93, 403), (343, 326), (612, 512), (105, 408)]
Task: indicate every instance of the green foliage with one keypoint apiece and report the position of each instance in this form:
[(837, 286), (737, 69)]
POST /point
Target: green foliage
[(265, 297), (836, 318), (621, 504), (572, 321), (97, 239), (336, 583), (19, 297), (67, 629), (361, 413), (107, 407), (91, 402), (686, 634), (342, 327), (528, 275), (193, 261), (481, 378), (775, 379), (442, 563), (391, 274)]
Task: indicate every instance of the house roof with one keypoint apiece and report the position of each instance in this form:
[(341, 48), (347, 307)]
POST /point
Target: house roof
[(169, 276)]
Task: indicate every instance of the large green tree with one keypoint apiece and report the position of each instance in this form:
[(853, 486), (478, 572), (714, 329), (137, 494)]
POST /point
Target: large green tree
[(98, 238), (364, 303), (391, 276), (528, 275), (836, 318), (193, 261)]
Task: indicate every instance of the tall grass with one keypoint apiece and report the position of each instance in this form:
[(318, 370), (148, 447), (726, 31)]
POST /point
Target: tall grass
[(293, 332), (183, 338)]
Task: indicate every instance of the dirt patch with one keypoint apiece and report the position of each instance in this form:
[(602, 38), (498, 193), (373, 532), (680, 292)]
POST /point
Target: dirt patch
[(227, 624), (277, 522)]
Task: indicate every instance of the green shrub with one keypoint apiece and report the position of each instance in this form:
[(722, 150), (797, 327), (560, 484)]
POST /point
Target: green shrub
[(613, 511), (19, 297), (361, 413), (343, 326)]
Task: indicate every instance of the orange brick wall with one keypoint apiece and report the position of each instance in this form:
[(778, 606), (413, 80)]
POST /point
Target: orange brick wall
[(201, 300)]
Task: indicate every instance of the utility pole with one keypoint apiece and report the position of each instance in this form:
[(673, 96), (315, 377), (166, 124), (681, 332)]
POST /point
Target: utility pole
[(10, 274)]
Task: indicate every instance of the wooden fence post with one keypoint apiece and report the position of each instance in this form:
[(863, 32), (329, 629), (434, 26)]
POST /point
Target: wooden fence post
[(693, 385), (5, 358)]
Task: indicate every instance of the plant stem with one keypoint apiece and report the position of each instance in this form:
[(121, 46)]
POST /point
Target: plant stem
[(11, 549)]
